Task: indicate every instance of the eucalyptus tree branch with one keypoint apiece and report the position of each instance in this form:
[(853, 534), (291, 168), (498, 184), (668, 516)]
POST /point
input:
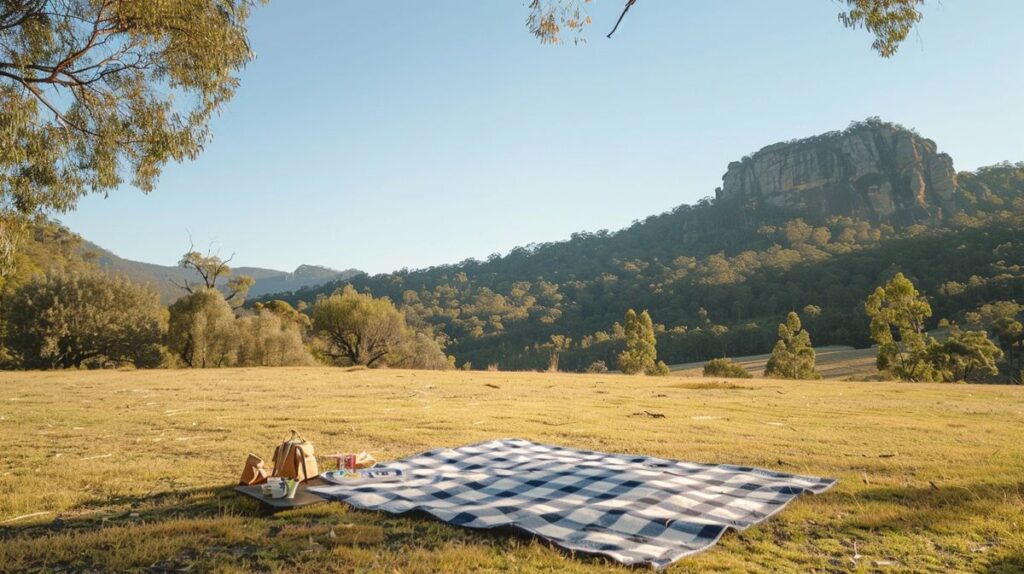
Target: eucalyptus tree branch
[(629, 5)]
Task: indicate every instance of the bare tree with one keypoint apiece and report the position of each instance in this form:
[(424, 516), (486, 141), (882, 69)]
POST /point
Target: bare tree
[(211, 269)]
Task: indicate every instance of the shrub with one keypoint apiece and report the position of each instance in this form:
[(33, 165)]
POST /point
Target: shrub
[(267, 340), (597, 367), (659, 369), (725, 367), (418, 351)]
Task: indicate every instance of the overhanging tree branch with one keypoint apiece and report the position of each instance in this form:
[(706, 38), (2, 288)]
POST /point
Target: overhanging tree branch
[(629, 5)]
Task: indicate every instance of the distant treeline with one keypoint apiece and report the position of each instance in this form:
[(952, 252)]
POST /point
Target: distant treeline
[(717, 279), (59, 310)]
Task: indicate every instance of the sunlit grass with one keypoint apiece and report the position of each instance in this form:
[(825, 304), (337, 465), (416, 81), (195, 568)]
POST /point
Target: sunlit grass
[(134, 469)]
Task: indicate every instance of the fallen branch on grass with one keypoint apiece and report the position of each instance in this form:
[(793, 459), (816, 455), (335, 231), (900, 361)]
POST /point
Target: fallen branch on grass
[(23, 516), (651, 414)]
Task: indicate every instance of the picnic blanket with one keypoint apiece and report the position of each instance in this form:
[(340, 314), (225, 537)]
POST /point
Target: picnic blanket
[(633, 509)]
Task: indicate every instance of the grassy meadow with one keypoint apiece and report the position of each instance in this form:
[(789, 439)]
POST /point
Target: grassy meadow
[(133, 470)]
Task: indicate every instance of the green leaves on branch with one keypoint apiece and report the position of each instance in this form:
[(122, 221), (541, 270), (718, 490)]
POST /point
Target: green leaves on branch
[(549, 18), (91, 91), (889, 21)]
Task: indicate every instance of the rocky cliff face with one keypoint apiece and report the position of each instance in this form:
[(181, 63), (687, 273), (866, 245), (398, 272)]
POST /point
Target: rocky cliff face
[(873, 170)]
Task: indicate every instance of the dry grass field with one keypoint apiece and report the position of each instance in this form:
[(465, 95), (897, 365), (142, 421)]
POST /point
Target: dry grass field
[(132, 471), (833, 362)]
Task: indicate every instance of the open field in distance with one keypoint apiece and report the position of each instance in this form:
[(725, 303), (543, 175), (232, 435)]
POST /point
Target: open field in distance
[(833, 362)]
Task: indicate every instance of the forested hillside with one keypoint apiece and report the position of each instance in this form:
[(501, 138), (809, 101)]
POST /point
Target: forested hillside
[(718, 276)]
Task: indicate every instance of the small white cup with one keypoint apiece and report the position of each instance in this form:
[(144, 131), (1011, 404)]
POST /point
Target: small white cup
[(278, 489)]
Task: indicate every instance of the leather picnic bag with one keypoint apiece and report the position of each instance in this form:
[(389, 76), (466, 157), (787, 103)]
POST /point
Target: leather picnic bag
[(295, 458), (255, 472)]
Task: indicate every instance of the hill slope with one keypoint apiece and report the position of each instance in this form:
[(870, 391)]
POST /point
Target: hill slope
[(820, 222)]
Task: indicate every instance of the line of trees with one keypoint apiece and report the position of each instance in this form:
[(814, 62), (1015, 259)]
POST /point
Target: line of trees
[(792, 357), (83, 317), (77, 316), (906, 351)]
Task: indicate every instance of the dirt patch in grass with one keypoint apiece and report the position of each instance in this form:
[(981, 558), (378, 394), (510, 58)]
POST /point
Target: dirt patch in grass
[(711, 385)]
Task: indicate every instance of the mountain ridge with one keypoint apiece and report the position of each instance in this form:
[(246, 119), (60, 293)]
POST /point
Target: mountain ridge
[(163, 278)]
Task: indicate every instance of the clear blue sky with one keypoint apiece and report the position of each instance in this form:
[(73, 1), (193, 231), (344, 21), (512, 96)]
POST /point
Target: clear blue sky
[(391, 134)]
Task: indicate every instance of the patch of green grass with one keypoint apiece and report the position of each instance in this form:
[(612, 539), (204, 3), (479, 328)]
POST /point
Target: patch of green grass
[(133, 470)]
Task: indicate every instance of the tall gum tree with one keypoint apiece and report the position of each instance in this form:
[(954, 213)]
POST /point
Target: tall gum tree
[(94, 91)]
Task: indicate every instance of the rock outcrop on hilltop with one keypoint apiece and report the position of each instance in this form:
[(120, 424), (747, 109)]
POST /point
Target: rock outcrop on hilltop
[(873, 170)]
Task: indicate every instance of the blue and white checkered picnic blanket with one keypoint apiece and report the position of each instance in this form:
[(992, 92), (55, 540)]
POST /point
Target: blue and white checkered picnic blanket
[(634, 509)]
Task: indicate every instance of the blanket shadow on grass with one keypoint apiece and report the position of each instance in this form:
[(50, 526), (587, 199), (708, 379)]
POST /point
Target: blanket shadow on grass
[(197, 502), (1012, 564), (95, 534), (418, 529), (935, 510), (929, 507), (926, 509), (273, 536)]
